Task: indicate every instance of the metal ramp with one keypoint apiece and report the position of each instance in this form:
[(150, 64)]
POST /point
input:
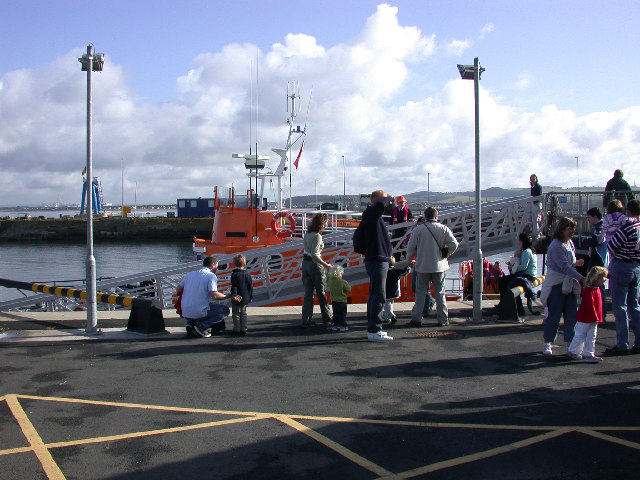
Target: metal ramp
[(276, 269)]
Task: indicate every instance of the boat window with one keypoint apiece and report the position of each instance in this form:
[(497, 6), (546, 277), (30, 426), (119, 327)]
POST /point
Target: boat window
[(210, 203), (194, 203), (182, 204)]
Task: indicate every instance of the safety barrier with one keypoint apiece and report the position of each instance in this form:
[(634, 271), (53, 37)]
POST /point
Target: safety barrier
[(511, 308), (145, 317)]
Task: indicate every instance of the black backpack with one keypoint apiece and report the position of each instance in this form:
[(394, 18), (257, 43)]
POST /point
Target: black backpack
[(359, 242)]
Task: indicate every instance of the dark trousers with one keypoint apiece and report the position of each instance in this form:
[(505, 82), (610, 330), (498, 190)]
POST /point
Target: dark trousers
[(377, 271), (339, 313)]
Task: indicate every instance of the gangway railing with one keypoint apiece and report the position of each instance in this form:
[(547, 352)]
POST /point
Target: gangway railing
[(276, 269)]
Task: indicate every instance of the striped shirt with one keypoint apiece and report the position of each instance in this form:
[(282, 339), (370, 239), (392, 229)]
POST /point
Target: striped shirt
[(625, 244)]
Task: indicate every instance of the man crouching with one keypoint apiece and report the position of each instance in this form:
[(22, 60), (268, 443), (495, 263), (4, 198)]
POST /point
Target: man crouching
[(197, 290)]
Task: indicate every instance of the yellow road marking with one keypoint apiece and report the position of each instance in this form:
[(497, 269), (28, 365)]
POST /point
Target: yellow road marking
[(481, 455), (161, 431), (53, 471), (610, 438), (9, 451), (50, 467), (408, 423), (345, 452), (143, 406)]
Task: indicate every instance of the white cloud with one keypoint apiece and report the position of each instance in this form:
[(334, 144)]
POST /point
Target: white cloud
[(486, 29), (524, 81), (182, 147), (458, 47)]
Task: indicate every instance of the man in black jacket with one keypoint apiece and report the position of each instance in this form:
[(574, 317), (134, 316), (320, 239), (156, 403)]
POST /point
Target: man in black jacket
[(376, 261)]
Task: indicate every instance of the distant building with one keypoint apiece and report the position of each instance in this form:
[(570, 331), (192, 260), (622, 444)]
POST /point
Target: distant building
[(195, 207)]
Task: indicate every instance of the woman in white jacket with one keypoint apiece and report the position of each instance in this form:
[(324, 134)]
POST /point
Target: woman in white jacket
[(561, 288)]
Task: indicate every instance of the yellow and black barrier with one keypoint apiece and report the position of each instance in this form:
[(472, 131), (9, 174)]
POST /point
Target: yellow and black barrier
[(145, 317), (511, 307)]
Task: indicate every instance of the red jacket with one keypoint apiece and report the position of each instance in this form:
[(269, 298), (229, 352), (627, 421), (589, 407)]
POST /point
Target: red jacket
[(590, 310)]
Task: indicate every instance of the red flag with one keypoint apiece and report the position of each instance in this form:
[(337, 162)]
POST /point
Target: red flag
[(295, 164)]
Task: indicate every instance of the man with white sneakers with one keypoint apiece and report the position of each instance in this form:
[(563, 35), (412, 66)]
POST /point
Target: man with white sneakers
[(376, 262)]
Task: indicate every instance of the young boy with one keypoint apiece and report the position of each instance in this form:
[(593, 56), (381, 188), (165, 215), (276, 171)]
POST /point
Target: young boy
[(241, 286), (401, 269), (339, 289)]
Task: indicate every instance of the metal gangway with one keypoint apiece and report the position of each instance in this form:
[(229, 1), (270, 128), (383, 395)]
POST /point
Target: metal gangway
[(276, 269)]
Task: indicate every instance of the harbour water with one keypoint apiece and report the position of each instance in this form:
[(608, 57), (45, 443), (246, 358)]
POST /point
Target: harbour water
[(48, 262)]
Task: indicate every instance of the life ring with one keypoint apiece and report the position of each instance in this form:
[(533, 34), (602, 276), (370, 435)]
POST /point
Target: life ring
[(281, 229)]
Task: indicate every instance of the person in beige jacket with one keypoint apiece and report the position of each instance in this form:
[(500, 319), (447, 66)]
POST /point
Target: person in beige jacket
[(425, 248)]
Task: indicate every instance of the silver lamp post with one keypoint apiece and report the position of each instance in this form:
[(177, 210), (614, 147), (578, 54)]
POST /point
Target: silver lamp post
[(317, 206), (344, 185), (473, 72), (90, 63)]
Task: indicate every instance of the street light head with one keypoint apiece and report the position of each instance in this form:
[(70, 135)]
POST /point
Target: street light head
[(466, 72), (96, 64)]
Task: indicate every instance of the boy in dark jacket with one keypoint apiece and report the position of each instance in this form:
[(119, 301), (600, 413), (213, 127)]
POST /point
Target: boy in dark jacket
[(242, 286), (399, 270)]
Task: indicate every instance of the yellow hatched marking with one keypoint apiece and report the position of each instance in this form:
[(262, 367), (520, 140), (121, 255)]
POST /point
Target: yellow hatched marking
[(143, 406), (9, 451), (345, 452), (610, 438), (485, 454), (50, 467), (161, 431), (408, 423)]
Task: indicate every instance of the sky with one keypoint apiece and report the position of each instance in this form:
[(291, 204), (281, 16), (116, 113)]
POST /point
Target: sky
[(183, 83)]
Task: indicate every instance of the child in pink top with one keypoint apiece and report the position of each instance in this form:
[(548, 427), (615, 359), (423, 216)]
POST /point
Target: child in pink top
[(589, 315), (614, 219)]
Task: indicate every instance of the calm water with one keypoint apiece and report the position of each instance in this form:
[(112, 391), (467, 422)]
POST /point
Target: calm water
[(44, 262)]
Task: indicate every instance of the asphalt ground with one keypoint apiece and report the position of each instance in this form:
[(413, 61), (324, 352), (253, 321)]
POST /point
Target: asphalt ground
[(464, 401)]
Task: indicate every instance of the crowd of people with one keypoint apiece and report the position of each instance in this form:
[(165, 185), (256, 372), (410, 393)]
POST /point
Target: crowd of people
[(614, 254)]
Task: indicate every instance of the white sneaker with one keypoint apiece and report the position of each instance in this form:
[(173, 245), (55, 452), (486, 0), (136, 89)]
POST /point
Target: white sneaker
[(378, 337), (546, 349)]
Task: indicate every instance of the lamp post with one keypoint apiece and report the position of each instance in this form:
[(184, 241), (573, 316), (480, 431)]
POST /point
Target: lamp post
[(428, 188), (90, 63), (578, 170), (344, 185), (473, 72), (317, 193)]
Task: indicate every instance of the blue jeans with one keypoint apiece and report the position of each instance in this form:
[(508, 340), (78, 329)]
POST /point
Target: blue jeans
[(624, 281), (214, 319), (560, 305), (377, 271)]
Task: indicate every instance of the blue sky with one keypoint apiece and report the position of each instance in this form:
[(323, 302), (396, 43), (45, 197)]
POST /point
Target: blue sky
[(560, 81)]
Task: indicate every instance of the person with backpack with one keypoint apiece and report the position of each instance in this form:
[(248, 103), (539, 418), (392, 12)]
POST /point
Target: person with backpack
[(372, 240)]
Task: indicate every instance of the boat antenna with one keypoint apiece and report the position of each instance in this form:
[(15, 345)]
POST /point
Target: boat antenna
[(256, 164), (308, 106)]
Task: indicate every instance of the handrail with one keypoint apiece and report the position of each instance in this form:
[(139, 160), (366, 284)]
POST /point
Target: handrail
[(276, 269)]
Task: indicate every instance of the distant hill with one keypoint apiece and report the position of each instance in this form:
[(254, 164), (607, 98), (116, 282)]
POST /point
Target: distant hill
[(424, 198)]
